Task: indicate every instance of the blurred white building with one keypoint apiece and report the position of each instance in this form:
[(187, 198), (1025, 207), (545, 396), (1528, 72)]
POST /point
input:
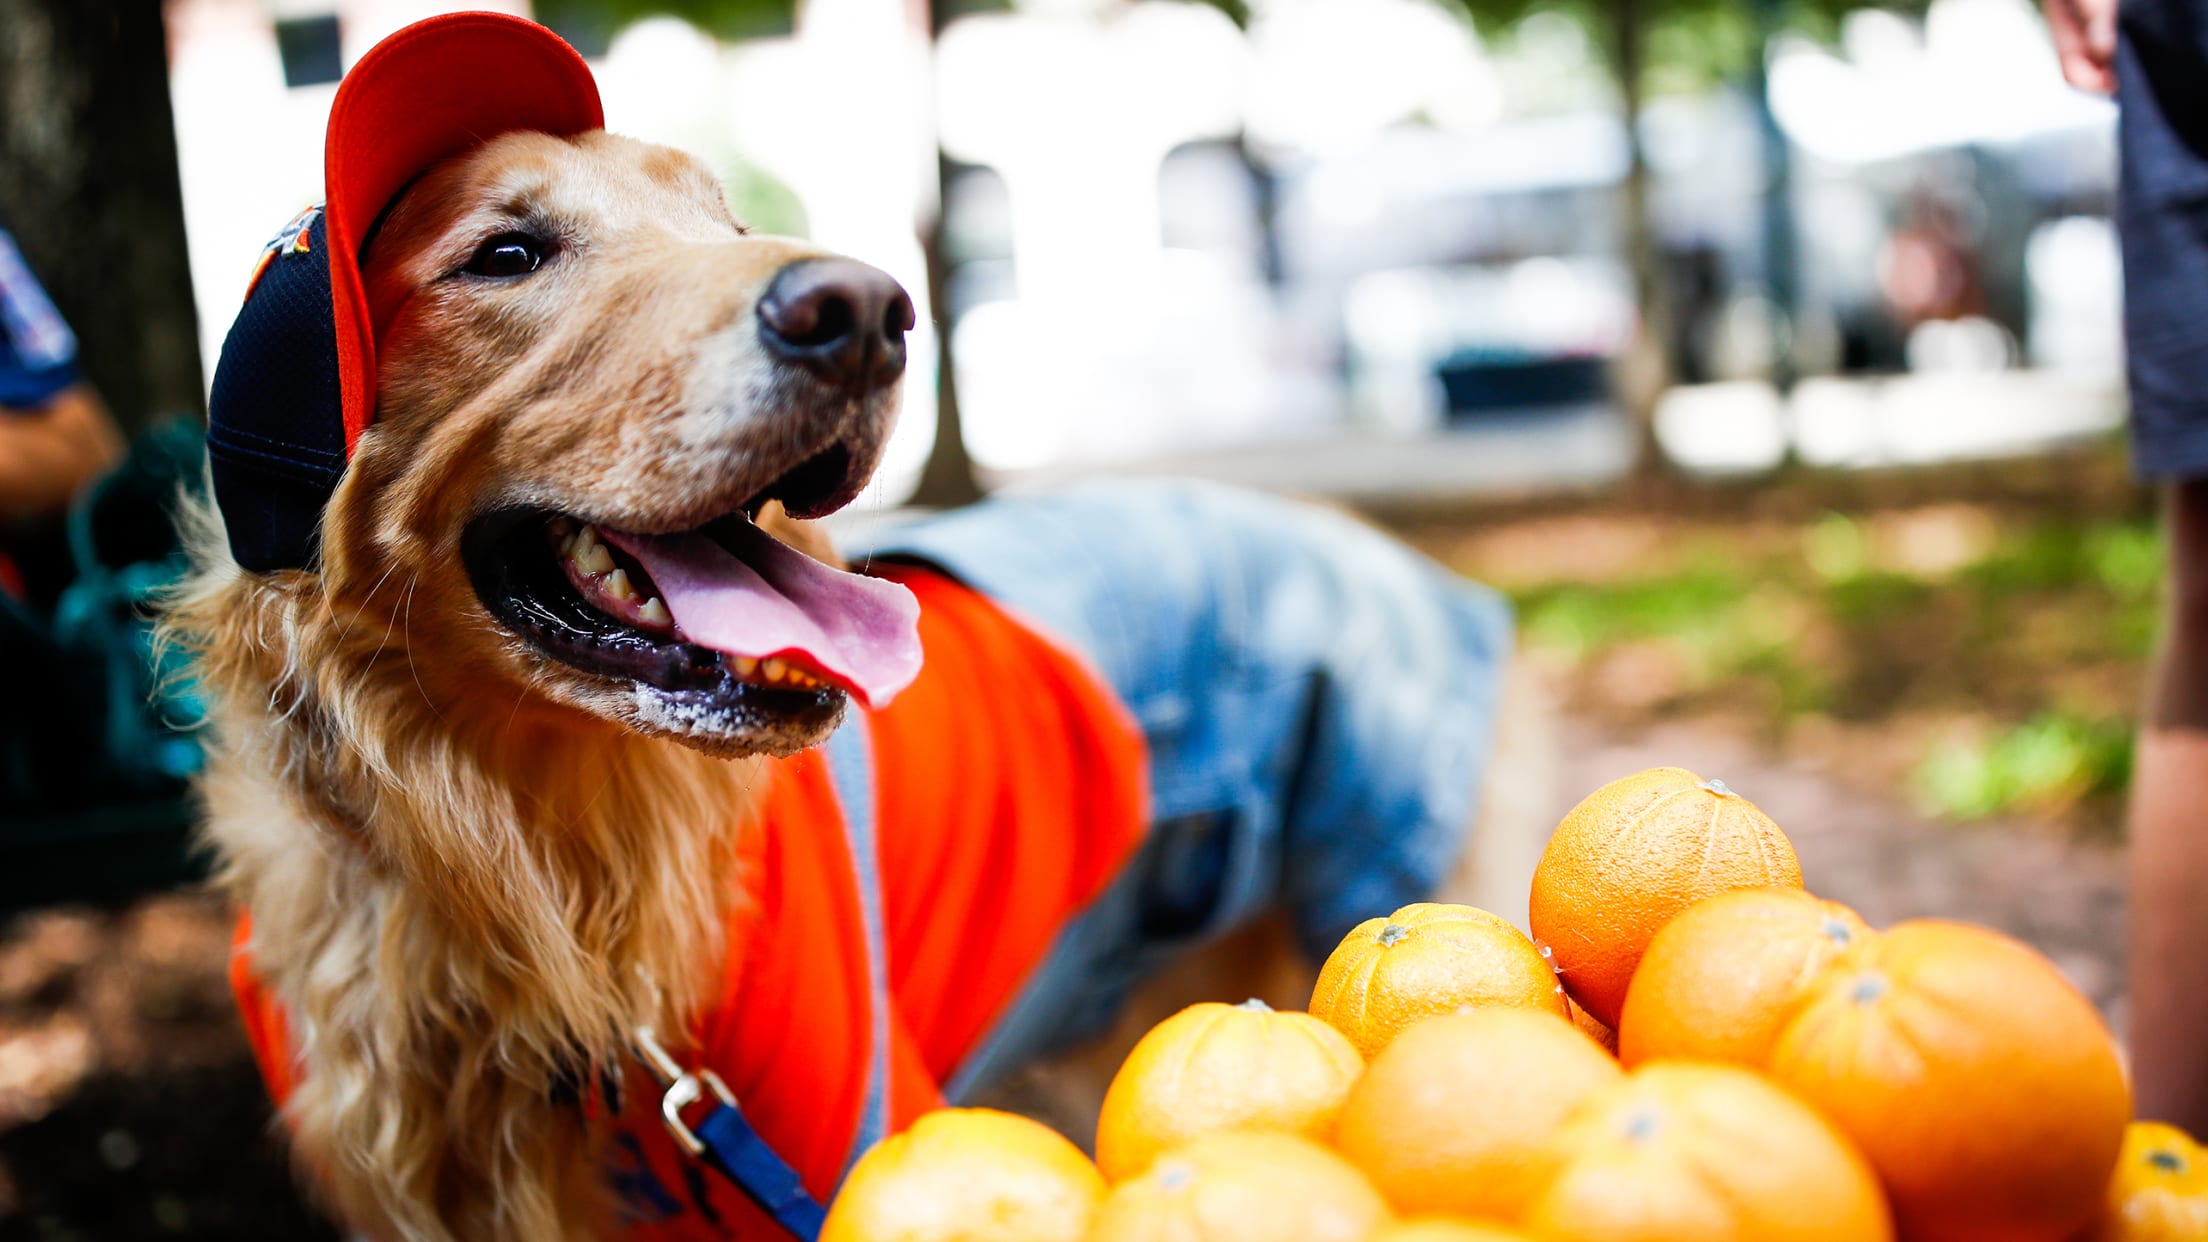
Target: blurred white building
[(1351, 219)]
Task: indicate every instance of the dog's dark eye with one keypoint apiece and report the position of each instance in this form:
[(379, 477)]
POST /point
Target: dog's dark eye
[(506, 255)]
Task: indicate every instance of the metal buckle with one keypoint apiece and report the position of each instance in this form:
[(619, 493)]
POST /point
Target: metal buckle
[(682, 1094), (684, 1088)]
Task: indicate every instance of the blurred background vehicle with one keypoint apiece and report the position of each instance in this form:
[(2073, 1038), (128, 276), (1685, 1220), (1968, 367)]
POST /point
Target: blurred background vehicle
[(1768, 355)]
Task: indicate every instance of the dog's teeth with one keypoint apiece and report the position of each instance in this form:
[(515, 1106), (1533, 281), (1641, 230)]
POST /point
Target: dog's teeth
[(617, 582), (596, 560), (746, 666), (774, 669), (654, 613)]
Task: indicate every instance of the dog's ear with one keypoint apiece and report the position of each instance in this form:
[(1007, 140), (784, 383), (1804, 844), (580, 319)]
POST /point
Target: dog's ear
[(807, 537)]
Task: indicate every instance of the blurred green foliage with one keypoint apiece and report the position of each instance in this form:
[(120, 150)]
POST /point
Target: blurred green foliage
[(1686, 45), (1690, 44), (598, 20), (2017, 654), (761, 199), (591, 24), (1582, 618), (2046, 763)]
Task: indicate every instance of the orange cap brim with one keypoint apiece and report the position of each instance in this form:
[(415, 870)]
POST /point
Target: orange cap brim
[(435, 89)]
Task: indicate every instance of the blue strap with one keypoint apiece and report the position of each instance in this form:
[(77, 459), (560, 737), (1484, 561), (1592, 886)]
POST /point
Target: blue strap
[(736, 1152)]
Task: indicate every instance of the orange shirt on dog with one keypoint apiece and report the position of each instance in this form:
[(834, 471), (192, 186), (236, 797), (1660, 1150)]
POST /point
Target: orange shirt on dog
[(999, 816)]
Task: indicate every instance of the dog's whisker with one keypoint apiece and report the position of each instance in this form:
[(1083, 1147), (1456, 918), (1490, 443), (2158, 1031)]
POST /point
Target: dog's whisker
[(406, 644), (521, 696), (345, 631)]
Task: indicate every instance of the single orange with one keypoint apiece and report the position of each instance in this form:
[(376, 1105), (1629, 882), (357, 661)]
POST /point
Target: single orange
[(968, 1175), (1427, 959), (1249, 1186), (2160, 1191), (1633, 855), (1718, 982), (1982, 1086), (1679, 1151), (1448, 1118), (1214, 1067), (1443, 1229)]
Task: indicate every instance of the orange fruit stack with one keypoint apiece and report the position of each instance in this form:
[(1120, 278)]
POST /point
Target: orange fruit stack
[(2160, 1191), (1789, 1075), (1408, 1122), (1718, 981), (1214, 1067), (968, 1175), (1982, 1086), (1679, 1151), (1442, 1229), (1427, 959), (1630, 858), (1253, 1186)]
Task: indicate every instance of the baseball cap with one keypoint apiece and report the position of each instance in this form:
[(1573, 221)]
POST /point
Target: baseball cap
[(295, 385)]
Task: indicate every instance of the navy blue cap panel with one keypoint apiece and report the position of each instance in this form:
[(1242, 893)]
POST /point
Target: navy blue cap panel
[(276, 423), (280, 527)]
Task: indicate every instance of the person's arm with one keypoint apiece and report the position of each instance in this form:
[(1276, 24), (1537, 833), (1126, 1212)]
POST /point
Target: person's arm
[(48, 453), (2085, 41), (55, 435), (2169, 839)]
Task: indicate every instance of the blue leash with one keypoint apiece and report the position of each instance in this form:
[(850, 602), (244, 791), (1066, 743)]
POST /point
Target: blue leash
[(725, 1141)]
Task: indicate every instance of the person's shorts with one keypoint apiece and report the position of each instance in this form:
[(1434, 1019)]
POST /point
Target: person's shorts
[(2162, 218), (1318, 703)]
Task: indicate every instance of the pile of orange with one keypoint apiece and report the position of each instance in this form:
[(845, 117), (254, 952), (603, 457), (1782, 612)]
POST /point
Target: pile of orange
[(1689, 1046)]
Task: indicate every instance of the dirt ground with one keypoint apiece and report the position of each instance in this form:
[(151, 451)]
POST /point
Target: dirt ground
[(129, 1106)]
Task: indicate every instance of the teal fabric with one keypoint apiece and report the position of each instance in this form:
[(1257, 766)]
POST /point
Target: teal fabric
[(103, 718)]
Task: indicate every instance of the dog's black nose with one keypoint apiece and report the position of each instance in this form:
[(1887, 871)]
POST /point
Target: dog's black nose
[(838, 318)]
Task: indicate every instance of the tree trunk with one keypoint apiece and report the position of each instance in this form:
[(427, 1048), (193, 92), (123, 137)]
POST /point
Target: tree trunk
[(88, 186), (1645, 371), (948, 478), (1781, 265)]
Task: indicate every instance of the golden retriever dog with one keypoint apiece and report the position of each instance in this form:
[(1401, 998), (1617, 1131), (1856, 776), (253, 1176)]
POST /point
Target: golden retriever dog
[(472, 865), (494, 760)]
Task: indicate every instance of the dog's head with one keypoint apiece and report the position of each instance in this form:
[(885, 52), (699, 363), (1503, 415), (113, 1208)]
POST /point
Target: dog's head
[(588, 380)]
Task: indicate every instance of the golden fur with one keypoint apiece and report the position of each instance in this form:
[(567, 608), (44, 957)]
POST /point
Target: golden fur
[(472, 870)]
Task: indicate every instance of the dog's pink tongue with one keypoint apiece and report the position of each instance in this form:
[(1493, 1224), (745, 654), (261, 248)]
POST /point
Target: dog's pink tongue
[(760, 597)]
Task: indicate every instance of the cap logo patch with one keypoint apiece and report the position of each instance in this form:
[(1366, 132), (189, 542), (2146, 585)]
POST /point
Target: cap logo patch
[(293, 239)]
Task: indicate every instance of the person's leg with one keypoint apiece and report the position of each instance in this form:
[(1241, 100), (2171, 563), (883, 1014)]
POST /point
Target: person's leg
[(2162, 132), (2169, 839)]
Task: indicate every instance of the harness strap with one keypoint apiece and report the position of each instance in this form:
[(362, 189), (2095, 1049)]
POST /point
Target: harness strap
[(735, 1151), (726, 1141), (851, 770)]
